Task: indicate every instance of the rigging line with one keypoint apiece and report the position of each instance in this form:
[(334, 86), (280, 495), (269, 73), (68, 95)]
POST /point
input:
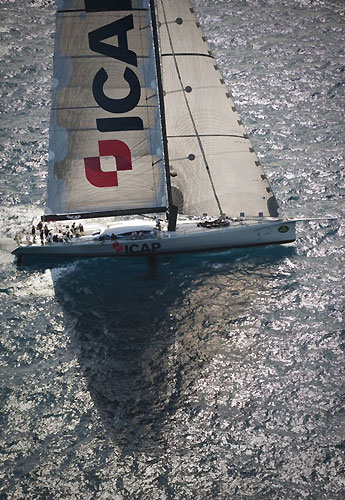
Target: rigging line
[(191, 115)]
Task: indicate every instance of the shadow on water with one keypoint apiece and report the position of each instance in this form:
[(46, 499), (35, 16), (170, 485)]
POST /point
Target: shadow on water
[(141, 330)]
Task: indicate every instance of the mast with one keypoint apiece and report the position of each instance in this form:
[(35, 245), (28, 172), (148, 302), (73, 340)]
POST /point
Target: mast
[(172, 209)]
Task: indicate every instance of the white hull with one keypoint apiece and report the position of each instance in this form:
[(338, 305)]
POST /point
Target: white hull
[(187, 238)]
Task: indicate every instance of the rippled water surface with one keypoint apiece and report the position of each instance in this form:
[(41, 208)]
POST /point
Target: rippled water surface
[(215, 375)]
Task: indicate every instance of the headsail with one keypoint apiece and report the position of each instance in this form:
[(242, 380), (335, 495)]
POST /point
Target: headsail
[(214, 162), (105, 144)]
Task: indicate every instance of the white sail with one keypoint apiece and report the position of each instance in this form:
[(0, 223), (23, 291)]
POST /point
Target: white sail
[(211, 158), (105, 136)]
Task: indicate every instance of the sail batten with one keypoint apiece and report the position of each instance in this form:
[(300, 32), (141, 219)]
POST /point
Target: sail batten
[(209, 135)]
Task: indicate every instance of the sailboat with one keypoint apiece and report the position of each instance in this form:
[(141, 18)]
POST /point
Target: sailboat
[(146, 140)]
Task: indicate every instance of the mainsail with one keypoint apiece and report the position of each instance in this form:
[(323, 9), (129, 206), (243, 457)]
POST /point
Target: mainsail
[(213, 162), (105, 135)]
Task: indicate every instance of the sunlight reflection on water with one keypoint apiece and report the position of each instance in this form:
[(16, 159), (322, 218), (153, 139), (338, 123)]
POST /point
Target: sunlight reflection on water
[(219, 375)]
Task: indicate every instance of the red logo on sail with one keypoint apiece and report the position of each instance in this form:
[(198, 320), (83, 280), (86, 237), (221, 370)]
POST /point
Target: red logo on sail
[(123, 161)]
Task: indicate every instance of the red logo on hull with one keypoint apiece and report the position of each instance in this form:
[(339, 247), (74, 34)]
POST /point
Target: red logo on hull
[(116, 246), (123, 161)]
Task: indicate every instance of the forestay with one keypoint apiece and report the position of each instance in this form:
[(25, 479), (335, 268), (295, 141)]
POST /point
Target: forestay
[(214, 166), (105, 136)]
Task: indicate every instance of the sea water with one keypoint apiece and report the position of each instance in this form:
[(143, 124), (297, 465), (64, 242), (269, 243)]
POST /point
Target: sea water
[(213, 375)]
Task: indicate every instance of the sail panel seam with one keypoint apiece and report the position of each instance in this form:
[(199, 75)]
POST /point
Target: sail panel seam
[(92, 56), (99, 11), (196, 54), (208, 135), (90, 129), (96, 107)]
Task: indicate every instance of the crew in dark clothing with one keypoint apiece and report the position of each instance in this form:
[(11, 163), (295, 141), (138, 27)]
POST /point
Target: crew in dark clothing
[(46, 231)]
